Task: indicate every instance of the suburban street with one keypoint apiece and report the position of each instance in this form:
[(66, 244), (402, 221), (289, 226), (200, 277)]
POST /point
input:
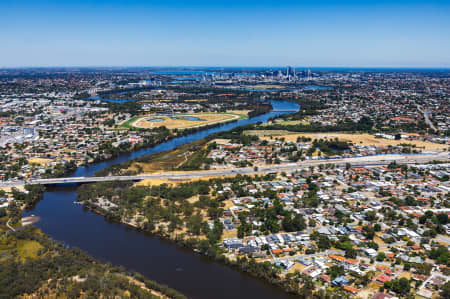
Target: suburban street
[(426, 117)]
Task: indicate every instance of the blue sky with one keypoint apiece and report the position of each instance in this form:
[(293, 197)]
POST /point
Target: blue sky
[(310, 33)]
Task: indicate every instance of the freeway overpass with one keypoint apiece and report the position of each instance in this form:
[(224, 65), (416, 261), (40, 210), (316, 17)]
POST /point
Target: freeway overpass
[(356, 161)]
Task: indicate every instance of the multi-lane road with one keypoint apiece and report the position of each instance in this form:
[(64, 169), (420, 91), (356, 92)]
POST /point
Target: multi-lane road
[(426, 115), (356, 161)]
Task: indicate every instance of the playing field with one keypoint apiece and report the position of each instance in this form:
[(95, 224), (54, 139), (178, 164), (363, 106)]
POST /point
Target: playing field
[(185, 121), (40, 161)]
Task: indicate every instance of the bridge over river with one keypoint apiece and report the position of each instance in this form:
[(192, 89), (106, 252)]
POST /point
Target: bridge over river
[(376, 160)]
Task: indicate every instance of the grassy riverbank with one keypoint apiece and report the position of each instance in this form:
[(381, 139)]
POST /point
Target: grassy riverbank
[(32, 265), (189, 215)]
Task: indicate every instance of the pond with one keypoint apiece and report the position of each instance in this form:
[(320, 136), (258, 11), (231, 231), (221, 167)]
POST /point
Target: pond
[(186, 117), (155, 119)]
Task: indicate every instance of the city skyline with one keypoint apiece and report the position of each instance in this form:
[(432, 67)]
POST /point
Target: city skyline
[(404, 34)]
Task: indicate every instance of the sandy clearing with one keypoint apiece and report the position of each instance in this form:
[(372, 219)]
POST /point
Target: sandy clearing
[(228, 204), (150, 182), (9, 189), (364, 139), (40, 161), (221, 141), (197, 100), (296, 267), (367, 293), (229, 234)]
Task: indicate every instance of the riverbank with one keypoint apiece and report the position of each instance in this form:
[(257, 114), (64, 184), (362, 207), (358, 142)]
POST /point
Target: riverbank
[(194, 224), (37, 266), (263, 271), (35, 254), (193, 274), (173, 135)]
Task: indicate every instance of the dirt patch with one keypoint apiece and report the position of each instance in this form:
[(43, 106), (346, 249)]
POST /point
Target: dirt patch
[(296, 267), (269, 133), (367, 293), (362, 139), (221, 141), (9, 189), (405, 274), (40, 161), (142, 286), (151, 182), (228, 204), (229, 234)]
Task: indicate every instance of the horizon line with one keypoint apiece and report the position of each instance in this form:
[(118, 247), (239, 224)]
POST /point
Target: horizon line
[(230, 66)]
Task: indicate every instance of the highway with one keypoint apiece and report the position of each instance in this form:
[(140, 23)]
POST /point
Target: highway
[(426, 117), (289, 167)]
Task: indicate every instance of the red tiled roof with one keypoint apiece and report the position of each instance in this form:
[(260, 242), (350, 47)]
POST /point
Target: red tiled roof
[(351, 261), (351, 289), (383, 278), (381, 296), (337, 257)]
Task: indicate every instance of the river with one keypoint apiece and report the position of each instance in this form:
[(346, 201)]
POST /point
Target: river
[(192, 274)]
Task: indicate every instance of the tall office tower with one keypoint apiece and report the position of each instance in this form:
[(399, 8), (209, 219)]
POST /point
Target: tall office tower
[(290, 72), (309, 74)]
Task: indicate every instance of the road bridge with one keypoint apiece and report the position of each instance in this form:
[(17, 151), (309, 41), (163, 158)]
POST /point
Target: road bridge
[(288, 167)]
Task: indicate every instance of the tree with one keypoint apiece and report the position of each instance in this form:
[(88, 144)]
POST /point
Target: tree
[(336, 271), (323, 242), (401, 286), (368, 232), (445, 291), (194, 224), (381, 256), (287, 223), (377, 227), (440, 254), (350, 253), (442, 218), (216, 233), (299, 222)]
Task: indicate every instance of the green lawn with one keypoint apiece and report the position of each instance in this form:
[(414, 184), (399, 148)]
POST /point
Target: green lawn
[(28, 248), (293, 122), (127, 124)]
